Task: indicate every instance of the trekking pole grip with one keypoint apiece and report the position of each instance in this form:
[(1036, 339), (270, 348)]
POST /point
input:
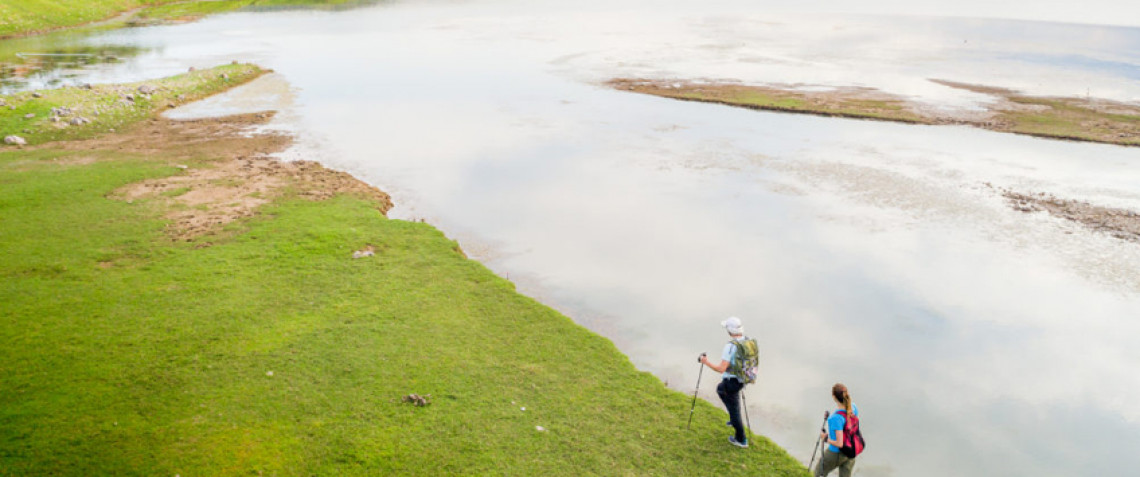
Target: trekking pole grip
[(699, 358)]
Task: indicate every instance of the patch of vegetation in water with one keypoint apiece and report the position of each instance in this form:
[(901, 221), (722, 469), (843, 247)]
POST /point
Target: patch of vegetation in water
[(1060, 118), (1072, 118), (774, 99)]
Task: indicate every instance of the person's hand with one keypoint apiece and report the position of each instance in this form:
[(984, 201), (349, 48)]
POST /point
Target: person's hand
[(703, 359), (823, 435)]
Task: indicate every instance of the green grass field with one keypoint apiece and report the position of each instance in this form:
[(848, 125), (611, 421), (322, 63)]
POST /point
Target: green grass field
[(21, 17), (25, 16), (189, 10), (273, 352)]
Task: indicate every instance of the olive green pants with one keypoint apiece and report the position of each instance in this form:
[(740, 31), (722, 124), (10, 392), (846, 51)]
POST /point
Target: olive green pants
[(831, 460)]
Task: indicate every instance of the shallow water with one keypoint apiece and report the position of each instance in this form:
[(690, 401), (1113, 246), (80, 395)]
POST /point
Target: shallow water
[(976, 340)]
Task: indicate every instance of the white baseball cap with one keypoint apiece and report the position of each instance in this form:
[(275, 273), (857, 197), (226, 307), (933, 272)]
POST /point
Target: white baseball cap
[(733, 325)]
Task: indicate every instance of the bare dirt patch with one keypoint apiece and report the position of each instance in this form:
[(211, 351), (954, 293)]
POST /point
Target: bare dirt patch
[(1120, 223), (228, 173)]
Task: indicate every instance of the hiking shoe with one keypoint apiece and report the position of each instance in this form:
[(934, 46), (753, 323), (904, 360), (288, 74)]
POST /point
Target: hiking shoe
[(732, 440)]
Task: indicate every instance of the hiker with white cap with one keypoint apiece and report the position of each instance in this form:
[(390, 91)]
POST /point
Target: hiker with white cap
[(738, 365)]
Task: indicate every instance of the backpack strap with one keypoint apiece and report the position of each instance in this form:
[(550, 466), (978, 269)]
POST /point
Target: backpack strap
[(732, 361)]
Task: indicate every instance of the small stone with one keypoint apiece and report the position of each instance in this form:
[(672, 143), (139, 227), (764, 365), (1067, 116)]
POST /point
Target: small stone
[(234, 62), (224, 76), (539, 428), (524, 409), (86, 86), (193, 69), (147, 89), (182, 166), (37, 95), (417, 400), (55, 119), (15, 141), (29, 115), (269, 373)]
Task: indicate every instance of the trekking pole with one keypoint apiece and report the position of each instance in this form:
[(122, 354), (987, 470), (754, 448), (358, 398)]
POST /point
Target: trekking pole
[(746, 419), (694, 405), (817, 439)]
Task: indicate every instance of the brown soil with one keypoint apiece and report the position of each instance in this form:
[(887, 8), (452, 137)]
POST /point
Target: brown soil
[(1120, 223), (228, 172)]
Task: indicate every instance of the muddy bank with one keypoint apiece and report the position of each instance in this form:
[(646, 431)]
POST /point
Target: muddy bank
[(1079, 119)]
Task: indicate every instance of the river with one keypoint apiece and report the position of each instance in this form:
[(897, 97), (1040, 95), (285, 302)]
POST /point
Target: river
[(976, 339)]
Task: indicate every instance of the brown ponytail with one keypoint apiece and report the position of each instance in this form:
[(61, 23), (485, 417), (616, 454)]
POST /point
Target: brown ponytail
[(839, 392)]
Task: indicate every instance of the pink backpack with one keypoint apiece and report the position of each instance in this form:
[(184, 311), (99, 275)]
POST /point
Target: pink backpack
[(853, 443)]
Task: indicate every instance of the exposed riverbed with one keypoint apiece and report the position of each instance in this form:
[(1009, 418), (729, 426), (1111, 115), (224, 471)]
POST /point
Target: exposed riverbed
[(976, 339)]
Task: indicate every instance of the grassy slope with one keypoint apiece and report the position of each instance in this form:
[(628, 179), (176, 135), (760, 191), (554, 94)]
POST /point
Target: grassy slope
[(19, 17), (108, 101), (25, 16), (197, 9), (124, 353)]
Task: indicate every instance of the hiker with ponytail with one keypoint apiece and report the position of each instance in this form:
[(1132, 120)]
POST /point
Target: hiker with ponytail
[(844, 439)]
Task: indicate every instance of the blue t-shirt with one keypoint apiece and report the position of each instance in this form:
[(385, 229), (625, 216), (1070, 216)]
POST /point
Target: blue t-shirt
[(727, 354), (836, 423)]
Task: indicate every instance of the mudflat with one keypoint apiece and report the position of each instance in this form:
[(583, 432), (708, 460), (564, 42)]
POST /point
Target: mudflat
[(1078, 119)]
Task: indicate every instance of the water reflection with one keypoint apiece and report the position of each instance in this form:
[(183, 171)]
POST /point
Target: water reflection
[(976, 340), (55, 60)]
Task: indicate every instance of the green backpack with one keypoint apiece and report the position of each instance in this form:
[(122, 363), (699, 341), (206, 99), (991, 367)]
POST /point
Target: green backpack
[(746, 360)]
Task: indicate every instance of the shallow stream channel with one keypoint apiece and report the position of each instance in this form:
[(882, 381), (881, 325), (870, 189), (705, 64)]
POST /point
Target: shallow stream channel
[(976, 339)]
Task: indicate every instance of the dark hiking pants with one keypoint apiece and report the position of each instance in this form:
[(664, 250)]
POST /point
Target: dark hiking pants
[(729, 392)]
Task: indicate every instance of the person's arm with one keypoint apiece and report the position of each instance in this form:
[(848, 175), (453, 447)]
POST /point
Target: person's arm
[(838, 442), (720, 368)]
